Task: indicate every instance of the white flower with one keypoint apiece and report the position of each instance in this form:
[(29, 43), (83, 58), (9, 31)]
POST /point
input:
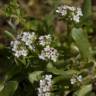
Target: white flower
[(45, 40), (15, 48), (77, 15), (62, 10), (75, 12), (79, 12), (45, 87), (76, 18), (72, 8), (48, 77), (42, 56), (42, 82), (75, 79), (22, 52), (18, 49), (15, 44), (17, 54), (29, 38), (79, 78), (22, 42), (49, 53)]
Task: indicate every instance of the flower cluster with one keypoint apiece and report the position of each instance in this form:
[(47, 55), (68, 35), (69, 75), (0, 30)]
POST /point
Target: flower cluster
[(17, 49), (72, 13), (76, 79), (27, 40), (45, 40), (49, 53), (45, 86), (24, 40)]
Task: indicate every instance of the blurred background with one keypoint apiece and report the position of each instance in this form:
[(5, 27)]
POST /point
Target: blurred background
[(37, 9)]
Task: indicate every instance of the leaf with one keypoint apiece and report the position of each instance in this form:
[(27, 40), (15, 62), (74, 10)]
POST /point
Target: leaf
[(54, 70), (9, 88), (2, 81), (87, 8), (81, 40), (2, 46), (9, 34), (65, 74), (35, 76), (60, 78), (84, 90), (87, 15), (1, 87)]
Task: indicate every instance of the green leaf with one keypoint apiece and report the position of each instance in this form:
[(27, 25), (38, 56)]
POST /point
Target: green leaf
[(2, 81), (60, 78), (54, 70), (9, 35), (65, 74), (84, 90), (35, 76), (1, 87), (87, 15), (87, 8), (9, 88), (81, 39), (2, 46)]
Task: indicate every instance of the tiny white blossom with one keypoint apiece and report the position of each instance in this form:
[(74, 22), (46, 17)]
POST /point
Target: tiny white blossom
[(74, 11), (45, 87), (75, 79), (62, 10), (48, 77), (29, 39), (17, 54), (79, 78), (22, 43), (77, 15), (76, 18), (79, 12), (49, 53), (17, 49), (24, 52), (42, 56), (72, 8), (45, 40), (15, 44)]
